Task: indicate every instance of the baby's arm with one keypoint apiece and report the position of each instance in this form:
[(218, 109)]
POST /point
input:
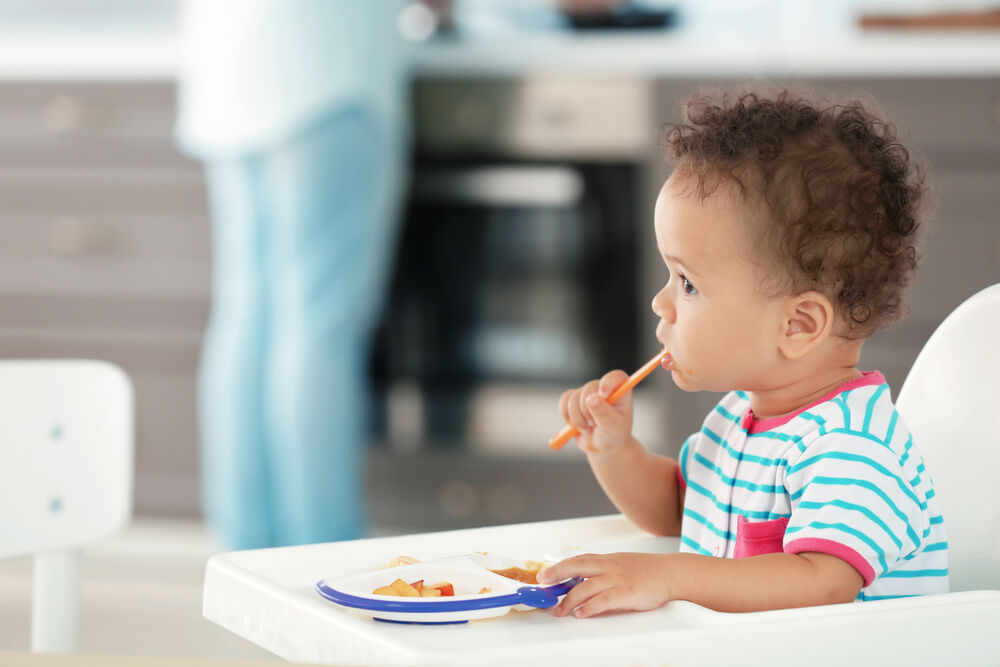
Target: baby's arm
[(642, 485), (639, 582)]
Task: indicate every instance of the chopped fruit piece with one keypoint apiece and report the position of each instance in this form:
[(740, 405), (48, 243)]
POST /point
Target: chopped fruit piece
[(404, 589), (402, 560), (485, 589), (445, 587), (524, 575), (417, 589)]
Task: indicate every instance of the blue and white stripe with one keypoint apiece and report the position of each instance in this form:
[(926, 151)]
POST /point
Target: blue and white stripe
[(844, 473)]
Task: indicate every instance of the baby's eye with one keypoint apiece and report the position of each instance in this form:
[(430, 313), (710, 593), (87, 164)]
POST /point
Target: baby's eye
[(688, 286)]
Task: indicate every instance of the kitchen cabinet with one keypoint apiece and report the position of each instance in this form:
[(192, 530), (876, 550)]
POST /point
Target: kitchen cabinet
[(104, 253)]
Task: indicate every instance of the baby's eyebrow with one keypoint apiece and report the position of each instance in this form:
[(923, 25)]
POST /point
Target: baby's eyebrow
[(678, 260)]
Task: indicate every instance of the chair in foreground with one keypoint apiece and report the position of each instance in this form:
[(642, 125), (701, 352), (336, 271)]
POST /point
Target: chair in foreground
[(66, 449), (951, 402)]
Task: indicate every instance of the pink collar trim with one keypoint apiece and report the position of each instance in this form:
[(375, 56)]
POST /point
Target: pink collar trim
[(751, 424)]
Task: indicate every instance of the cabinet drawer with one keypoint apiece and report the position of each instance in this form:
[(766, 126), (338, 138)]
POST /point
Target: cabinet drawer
[(106, 276), (135, 351), (86, 123), (933, 112), (104, 232), (68, 314), (100, 191), (77, 232), (961, 246), (538, 116)]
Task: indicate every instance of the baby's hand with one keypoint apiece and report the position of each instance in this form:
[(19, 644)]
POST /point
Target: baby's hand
[(602, 427), (627, 581)]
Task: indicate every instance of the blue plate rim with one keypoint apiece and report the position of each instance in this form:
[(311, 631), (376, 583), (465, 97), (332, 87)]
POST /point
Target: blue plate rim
[(435, 605)]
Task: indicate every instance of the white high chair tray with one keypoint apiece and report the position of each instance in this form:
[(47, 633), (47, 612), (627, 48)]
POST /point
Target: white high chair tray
[(269, 597)]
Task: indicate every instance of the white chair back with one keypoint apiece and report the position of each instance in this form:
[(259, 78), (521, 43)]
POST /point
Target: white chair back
[(951, 402), (66, 450)]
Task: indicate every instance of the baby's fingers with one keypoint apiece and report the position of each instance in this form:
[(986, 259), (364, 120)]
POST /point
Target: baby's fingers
[(569, 406), (564, 401), (610, 382), (605, 415), (584, 565), (607, 599), (586, 391), (580, 594)]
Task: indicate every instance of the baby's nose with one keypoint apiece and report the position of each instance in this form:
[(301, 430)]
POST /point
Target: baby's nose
[(663, 309)]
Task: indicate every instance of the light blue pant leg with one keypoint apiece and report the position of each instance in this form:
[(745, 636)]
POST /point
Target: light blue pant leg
[(236, 493), (331, 202)]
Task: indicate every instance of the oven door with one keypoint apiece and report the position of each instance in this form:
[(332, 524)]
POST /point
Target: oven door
[(511, 278)]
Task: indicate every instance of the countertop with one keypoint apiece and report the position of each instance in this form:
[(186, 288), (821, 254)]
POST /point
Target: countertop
[(151, 53)]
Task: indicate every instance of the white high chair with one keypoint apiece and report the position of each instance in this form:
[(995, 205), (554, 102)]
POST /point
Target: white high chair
[(66, 448), (951, 402)]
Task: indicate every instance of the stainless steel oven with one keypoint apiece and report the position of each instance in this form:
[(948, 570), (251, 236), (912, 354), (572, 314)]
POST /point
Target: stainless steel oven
[(515, 275)]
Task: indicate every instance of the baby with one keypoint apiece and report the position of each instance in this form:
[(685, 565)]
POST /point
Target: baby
[(788, 232)]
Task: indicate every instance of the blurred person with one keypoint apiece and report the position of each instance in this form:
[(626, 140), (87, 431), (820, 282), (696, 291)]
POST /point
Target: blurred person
[(296, 109)]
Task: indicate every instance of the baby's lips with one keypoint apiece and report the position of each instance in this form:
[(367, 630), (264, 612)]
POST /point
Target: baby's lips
[(667, 363)]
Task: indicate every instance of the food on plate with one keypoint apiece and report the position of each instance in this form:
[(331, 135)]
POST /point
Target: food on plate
[(526, 575), (418, 589), (402, 560), (399, 588), (445, 588)]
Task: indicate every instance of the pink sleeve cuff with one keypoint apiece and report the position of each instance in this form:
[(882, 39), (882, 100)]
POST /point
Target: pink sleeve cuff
[(844, 553)]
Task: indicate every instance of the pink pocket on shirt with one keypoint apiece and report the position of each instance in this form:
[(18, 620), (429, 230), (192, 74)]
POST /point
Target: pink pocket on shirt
[(754, 538)]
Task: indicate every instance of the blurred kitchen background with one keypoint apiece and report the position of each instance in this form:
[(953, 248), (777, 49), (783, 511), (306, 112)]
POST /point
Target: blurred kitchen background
[(527, 261)]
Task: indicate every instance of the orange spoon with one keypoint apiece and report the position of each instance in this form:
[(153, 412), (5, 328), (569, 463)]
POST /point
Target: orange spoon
[(570, 432)]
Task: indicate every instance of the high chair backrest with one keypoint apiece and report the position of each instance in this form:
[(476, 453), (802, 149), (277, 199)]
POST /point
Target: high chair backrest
[(66, 450), (951, 402)]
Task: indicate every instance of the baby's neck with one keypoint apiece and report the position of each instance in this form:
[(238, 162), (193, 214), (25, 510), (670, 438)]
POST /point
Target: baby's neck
[(797, 394), (801, 382), (806, 380)]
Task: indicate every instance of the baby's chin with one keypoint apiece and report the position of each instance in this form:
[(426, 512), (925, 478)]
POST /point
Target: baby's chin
[(683, 381)]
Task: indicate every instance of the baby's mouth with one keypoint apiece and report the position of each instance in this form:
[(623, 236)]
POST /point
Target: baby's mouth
[(667, 363)]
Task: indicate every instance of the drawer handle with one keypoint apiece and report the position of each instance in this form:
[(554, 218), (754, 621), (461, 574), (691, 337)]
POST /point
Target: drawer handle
[(74, 237), (64, 114)]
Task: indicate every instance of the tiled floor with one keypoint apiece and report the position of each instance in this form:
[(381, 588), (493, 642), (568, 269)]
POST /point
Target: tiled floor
[(141, 595)]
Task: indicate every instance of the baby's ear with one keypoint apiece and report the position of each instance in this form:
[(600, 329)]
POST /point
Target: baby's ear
[(807, 321)]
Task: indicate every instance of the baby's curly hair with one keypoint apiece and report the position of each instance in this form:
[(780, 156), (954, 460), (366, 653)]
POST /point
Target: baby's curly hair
[(841, 196)]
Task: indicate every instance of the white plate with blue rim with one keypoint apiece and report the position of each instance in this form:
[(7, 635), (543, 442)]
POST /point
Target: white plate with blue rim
[(479, 592)]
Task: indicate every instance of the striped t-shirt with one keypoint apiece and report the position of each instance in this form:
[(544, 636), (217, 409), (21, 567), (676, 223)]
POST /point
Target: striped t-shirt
[(841, 476)]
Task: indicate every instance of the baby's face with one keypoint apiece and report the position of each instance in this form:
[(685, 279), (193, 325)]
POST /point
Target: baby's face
[(721, 334)]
